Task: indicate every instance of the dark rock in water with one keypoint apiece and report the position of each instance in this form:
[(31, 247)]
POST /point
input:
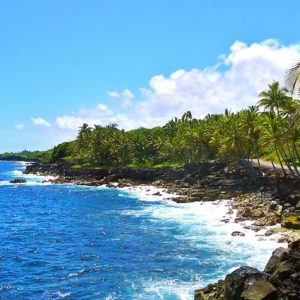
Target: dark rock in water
[(239, 280), (211, 292), (18, 180), (225, 220), (180, 199), (156, 194), (237, 233), (278, 255), (280, 281), (261, 289)]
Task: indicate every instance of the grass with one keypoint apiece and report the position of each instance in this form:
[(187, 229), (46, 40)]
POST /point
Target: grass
[(147, 166), (157, 166)]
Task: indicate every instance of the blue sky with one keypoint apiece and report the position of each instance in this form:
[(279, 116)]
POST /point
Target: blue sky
[(63, 62)]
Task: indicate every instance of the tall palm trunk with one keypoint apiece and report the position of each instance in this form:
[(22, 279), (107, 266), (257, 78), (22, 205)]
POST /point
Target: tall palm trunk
[(297, 156), (257, 156), (283, 154), (290, 154), (279, 159), (273, 165), (296, 151)]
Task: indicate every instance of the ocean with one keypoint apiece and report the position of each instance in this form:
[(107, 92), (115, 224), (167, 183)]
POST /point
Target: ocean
[(79, 242)]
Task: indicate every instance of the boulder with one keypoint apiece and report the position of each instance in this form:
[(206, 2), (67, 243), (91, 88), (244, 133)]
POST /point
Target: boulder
[(257, 213), (261, 289), (211, 292), (278, 255), (282, 271), (239, 280), (237, 233), (156, 194), (18, 180), (272, 218), (291, 221)]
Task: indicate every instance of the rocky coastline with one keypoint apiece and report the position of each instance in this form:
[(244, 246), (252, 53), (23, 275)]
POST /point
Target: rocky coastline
[(280, 280), (270, 200)]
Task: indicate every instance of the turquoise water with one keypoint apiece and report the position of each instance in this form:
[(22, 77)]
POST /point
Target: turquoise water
[(72, 242)]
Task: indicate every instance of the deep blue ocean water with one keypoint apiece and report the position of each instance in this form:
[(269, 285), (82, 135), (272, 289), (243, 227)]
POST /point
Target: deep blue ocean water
[(75, 242)]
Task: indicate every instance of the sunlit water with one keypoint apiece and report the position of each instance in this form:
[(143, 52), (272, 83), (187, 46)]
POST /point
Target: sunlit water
[(75, 242)]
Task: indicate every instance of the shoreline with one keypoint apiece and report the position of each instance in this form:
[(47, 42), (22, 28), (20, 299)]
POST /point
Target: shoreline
[(256, 213), (258, 203)]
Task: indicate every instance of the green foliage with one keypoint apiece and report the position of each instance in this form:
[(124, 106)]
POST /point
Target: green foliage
[(27, 155), (270, 130), (248, 134), (62, 151)]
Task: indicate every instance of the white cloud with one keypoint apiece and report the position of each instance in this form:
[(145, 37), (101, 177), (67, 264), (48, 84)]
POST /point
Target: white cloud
[(113, 94), (40, 122), (125, 99), (100, 115), (20, 126), (248, 70), (234, 83), (73, 122)]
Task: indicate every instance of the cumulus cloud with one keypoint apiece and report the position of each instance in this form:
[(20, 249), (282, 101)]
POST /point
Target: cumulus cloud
[(233, 83), (124, 98), (40, 122), (20, 126), (100, 115)]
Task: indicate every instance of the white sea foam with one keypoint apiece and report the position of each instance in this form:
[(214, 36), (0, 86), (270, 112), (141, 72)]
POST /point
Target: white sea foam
[(202, 226), (63, 295), (4, 182), (31, 179), (170, 289), (31, 183), (148, 193)]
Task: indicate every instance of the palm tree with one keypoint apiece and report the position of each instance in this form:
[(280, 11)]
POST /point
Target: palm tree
[(272, 134), (293, 78), (250, 121), (273, 99), (276, 102)]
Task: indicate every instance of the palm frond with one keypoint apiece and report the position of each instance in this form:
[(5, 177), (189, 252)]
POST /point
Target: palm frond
[(293, 78)]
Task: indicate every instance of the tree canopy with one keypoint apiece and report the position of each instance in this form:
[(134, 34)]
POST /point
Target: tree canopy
[(269, 130)]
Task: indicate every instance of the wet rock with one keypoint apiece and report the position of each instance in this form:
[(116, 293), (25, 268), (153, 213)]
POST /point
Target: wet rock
[(18, 180), (278, 255), (211, 292), (180, 199), (275, 230), (281, 272), (237, 233), (261, 289), (257, 213), (225, 220), (156, 194), (157, 182), (289, 238), (197, 194), (270, 219), (239, 280)]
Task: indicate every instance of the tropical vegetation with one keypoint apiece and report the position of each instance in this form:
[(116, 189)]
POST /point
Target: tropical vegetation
[(269, 130)]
